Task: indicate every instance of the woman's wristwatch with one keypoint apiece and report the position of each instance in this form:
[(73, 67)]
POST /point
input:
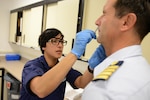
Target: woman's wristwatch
[(90, 70)]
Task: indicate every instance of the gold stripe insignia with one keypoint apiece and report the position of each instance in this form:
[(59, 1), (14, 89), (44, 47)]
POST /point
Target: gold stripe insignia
[(104, 75)]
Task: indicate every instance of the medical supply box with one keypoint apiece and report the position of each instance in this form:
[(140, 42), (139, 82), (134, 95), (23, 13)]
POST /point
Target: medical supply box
[(10, 57)]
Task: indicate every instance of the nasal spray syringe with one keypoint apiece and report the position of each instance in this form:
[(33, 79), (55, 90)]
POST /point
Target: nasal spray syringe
[(96, 30)]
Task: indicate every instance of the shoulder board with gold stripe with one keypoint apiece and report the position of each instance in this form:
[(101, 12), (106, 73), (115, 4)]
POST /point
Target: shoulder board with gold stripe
[(104, 75)]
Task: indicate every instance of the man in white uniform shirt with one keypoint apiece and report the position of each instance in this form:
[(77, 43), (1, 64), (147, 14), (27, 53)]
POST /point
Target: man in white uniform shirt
[(125, 73)]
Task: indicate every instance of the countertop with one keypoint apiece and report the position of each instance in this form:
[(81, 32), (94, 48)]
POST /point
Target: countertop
[(14, 67)]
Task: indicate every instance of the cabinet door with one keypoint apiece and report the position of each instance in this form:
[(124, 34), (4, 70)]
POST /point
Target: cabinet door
[(13, 27), (63, 15), (92, 10), (26, 26), (32, 26)]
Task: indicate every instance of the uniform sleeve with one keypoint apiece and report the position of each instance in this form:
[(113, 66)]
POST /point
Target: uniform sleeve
[(29, 72), (72, 76)]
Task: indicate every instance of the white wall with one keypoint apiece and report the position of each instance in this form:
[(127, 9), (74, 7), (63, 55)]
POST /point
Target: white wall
[(146, 47), (4, 26)]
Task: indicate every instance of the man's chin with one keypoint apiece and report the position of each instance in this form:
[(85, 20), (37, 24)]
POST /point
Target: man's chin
[(98, 40)]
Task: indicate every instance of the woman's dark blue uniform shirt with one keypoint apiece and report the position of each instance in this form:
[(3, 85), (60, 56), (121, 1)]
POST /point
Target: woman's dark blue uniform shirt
[(38, 67)]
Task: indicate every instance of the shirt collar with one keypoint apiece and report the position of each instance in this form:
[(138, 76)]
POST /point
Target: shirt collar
[(127, 52)]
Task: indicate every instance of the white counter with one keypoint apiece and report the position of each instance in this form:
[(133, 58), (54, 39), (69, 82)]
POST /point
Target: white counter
[(14, 67)]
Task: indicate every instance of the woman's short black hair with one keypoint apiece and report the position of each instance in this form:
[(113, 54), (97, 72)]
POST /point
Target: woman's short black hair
[(46, 35)]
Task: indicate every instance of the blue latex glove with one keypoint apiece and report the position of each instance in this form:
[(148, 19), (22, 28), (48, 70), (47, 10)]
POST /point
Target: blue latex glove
[(97, 57), (82, 38)]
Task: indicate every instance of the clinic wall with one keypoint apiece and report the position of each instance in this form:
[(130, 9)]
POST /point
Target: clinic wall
[(146, 47), (92, 11), (4, 27)]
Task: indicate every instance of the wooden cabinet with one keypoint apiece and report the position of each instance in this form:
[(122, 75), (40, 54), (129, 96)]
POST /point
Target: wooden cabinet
[(32, 26), (63, 15), (26, 26), (13, 27)]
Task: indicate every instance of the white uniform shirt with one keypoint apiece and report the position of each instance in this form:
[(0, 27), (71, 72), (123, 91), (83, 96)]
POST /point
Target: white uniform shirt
[(131, 81)]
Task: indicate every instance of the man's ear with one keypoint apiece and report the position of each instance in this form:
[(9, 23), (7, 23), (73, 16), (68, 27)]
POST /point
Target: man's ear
[(129, 21)]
